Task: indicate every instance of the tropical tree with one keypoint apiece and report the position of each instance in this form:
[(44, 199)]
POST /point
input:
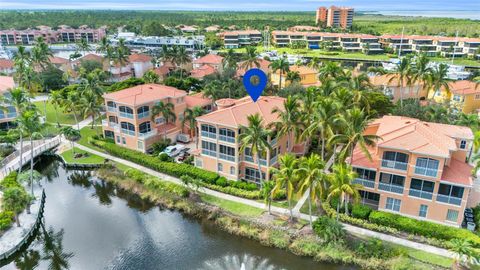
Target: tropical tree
[(289, 120), (255, 137), (30, 120), (56, 99), (250, 59), (181, 58), (166, 110), (315, 63), (468, 120), (267, 194), (312, 176), (463, 251), (71, 134), (91, 107), (151, 77), (293, 76), (103, 45), (72, 104), (329, 70), (230, 59), (281, 65), (403, 75), (420, 72), (40, 54), (438, 79), (437, 114), (341, 186), (15, 199), (285, 177), (84, 46), (190, 117)]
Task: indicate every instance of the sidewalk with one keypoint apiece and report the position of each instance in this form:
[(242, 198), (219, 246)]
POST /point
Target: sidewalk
[(275, 209)]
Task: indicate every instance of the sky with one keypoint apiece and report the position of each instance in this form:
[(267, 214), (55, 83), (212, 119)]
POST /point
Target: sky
[(243, 5)]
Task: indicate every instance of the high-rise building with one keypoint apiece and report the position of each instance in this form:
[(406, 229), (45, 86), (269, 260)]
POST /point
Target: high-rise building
[(337, 17)]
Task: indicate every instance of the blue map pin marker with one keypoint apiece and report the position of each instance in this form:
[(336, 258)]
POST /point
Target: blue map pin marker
[(255, 90)]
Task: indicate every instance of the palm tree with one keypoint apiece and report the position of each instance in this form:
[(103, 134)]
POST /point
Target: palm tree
[(463, 251), (255, 137), (110, 56), (438, 79), (151, 77), (56, 99), (315, 63), (354, 123), (329, 70), (437, 114), (190, 116), (421, 72), (15, 199), (30, 120), (312, 177), (281, 65), (250, 59), (165, 55), (103, 45), (213, 90), (289, 120), (341, 185), (84, 46), (72, 104), (285, 177), (293, 76), (72, 135), (230, 59), (403, 74), (267, 194), (468, 120), (167, 112), (91, 107), (182, 58)]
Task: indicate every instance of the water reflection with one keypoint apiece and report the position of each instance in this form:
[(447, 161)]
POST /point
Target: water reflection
[(235, 262)]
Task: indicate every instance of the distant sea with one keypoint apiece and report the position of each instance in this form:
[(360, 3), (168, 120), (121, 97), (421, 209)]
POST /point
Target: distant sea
[(460, 14)]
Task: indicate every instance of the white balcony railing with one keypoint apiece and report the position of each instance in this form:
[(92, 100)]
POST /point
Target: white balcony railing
[(126, 115), (147, 135), (226, 138), (364, 182), (209, 152), (207, 134), (128, 132), (426, 171), (226, 157), (449, 199), (390, 188), (143, 115), (111, 109), (420, 194), (398, 165)]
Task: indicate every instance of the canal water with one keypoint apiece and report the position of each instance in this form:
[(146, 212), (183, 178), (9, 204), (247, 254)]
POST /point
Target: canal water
[(89, 224)]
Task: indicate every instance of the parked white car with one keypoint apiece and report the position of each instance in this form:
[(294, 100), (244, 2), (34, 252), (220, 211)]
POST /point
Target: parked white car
[(173, 150)]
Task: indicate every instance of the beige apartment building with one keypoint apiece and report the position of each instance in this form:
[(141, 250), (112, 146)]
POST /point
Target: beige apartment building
[(219, 146), (418, 169), (240, 38), (336, 17), (64, 33), (129, 115)]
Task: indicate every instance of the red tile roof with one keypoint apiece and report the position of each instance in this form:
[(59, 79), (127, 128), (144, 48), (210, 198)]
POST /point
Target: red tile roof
[(6, 82), (202, 71), (264, 66), (458, 172), (90, 57), (197, 100), (209, 59), (6, 63), (464, 87), (145, 93), (58, 60), (139, 57)]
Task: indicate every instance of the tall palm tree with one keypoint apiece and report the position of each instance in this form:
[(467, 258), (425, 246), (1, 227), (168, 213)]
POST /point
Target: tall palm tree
[(315, 63), (293, 76), (312, 177), (403, 74), (72, 135), (165, 55), (56, 99), (255, 136), (110, 56), (341, 185), (354, 122), (166, 110), (72, 104), (281, 65), (329, 70), (438, 79), (421, 72), (182, 58), (437, 114), (469, 120), (84, 46), (102, 45), (289, 120), (151, 77), (285, 177), (267, 194), (30, 120), (230, 59), (250, 59), (190, 117), (91, 106)]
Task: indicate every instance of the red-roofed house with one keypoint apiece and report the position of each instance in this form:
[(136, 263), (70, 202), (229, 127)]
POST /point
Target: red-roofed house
[(417, 169), (206, 65), (129, 115), (219, 139), (140, 63), (6, 66), (202, 71), (60, 63), (464, 95), (264, 66)]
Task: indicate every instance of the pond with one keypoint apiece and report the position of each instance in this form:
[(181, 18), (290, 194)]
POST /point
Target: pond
[(89, 224)]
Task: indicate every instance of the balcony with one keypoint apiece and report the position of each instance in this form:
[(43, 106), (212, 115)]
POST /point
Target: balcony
[(226, 157), (263, 162), (248, 158), (449, 199), (273, 141), (8, 115), (128, 132), (126, 115), (147, 135), (420, 194), (225, 138), (207, 134), (426, 171), (390, 188), (398, 165), (273, 160), (364, 182), (209, 152), (111, 109), (143, 115)]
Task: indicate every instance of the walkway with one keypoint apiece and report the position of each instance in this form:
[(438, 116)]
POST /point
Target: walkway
[(275, 209)]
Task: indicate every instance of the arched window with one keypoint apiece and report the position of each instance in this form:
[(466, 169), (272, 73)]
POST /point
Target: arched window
[(126, 112), (143, 111), (128, 128), (232, 170), (112, 119), (144, 127), (111, 104)]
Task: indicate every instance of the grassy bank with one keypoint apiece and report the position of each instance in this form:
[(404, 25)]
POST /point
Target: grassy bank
[(51, 116), (87, 157), (243, 221)]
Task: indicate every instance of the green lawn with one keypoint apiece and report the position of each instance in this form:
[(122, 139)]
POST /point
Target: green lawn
[(63, 118), (424, 256), (90, 159), (234, 207), (88, 132)]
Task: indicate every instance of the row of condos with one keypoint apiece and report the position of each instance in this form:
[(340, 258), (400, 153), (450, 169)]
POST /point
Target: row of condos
[(433, 45), (64, 34), (129, 120), (417, 169), (219, 149), (334, 41), (157, 42), (236, 39)]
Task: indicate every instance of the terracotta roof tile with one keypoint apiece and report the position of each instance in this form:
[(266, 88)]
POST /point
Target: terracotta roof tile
[(58, 60), (6, 82), (202, 71), (464, 87), (139, 57), (264, 66), (458, 172), (145, 93), (209, 59), (6, 63)]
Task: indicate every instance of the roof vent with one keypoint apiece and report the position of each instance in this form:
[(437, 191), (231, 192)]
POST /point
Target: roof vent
[(408, 122)]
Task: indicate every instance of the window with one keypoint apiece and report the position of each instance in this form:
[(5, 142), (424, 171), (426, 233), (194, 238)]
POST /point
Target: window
[(111, 104), (457, 98), (477, 96), (227, 135), (144, 127), (112, 119), (125, 111), (198, 163), (159, 120), (209, 148), (393, 204), (209, 131), (427, 167), (366, 174), (463, 144), (123, 140), (423, 211), (232, 170), (118, 139), (140, 145), (395, 160), (109, 134), (450, 194), (220, 167), (452, 215), (128, 128), (391, 182), (421, 188), (253, 175), (227, 153), (143, 111)]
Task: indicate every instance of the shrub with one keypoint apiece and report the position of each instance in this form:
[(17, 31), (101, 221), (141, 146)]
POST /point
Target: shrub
[(376, 248), (155, 183), (422, 228), (328, 229), (165, 157), (335, 200), (222, 181), (6, 220), (159, 146), (9, 181), (361, 211)]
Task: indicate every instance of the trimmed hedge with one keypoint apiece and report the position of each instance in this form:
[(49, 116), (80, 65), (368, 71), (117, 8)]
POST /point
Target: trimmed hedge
[(6, 220), (173, 169), (423, 228), (361, 211)]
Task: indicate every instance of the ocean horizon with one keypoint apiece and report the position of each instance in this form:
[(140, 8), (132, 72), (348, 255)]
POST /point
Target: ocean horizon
[(458, 14)]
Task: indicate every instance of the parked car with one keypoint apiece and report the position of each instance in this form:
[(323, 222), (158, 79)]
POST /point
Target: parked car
[(173, 150)]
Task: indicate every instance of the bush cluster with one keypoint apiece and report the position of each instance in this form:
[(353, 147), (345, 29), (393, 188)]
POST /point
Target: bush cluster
[(7, 217), (6, 220), (361, 211), (157, 184)]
